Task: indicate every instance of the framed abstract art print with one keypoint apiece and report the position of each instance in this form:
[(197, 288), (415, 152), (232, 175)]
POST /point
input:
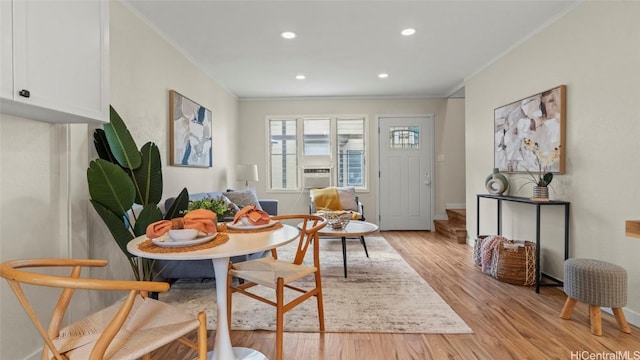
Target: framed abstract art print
[(191, 140), (535, 122)]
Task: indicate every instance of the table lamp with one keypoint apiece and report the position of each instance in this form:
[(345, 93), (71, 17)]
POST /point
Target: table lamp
[(246, 173)]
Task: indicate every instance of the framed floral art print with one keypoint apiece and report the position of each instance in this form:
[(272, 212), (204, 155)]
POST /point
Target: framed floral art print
[(529, 134), (190, 137)]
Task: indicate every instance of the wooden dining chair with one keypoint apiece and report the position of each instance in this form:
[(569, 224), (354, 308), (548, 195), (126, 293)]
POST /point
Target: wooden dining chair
[(278, 274), (129, 329)]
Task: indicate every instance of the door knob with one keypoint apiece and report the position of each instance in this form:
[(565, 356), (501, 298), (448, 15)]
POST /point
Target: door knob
[(24, 93)]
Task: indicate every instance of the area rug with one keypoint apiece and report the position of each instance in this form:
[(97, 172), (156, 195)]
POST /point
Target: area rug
[(382, 294)]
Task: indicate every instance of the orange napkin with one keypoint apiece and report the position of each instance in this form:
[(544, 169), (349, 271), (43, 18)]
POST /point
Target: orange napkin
[(254, 215), (201, 219)]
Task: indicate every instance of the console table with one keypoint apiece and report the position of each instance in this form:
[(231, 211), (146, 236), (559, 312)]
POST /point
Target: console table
[(538, 205)]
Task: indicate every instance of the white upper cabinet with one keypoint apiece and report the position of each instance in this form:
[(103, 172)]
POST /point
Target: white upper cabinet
[(55, 60), (6, 54)]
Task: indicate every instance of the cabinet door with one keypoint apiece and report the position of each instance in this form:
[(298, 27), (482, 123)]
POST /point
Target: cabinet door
[(6, 47), (61, 57)]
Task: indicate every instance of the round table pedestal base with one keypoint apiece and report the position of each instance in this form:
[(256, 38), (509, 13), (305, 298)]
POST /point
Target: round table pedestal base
[(242, 353)]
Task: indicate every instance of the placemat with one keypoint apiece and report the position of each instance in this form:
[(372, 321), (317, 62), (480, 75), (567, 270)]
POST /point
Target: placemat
[(149, 246)]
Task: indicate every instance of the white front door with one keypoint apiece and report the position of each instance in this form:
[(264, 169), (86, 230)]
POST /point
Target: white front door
[(406, 148)]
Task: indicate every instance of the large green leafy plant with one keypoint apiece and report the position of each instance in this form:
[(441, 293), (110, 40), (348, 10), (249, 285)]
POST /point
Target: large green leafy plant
[(125, 186)]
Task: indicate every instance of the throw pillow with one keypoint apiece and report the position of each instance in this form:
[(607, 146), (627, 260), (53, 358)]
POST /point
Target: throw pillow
[(347, 197), (244, 198), (234, 208)]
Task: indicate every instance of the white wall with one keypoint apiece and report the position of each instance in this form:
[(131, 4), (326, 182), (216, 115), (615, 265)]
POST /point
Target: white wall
[(594, 51), (44, 209), (31, 224), (449, 140), (144, 67), (450, 172)]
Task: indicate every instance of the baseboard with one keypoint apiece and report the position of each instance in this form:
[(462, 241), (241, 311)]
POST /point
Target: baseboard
[(633, 318), (456, 206)]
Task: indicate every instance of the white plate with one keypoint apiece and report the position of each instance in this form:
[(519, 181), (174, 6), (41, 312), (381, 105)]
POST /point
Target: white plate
[(241, 226), (165, 241)]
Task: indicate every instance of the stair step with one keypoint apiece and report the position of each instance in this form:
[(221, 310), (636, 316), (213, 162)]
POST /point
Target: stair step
[(457, 215), (452, 230)]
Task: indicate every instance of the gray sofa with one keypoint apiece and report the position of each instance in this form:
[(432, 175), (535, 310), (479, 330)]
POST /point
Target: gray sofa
[(168, 270)]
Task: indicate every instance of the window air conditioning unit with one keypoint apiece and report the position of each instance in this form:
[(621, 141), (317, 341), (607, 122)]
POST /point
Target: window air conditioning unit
[(316, 178)]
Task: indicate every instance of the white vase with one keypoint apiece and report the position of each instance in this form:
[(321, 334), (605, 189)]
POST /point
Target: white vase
[(496, 183)]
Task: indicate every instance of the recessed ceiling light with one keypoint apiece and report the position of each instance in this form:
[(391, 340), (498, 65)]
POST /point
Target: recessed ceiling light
[(408, 32), (383, 75), (288, 35), (300, 77)]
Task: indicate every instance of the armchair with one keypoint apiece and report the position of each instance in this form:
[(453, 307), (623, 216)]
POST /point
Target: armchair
[(346, 199), (336, 199)]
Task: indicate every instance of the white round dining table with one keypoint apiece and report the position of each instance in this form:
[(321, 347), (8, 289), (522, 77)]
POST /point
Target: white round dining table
[(239, 243)]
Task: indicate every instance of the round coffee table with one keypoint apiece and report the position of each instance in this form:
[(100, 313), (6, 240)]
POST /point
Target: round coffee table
[(354, 228)]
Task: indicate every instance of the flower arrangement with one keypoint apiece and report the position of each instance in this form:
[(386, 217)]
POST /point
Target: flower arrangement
[(544, 161)]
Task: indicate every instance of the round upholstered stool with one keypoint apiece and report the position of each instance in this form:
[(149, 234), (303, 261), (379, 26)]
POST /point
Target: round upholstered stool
[(598, 284)]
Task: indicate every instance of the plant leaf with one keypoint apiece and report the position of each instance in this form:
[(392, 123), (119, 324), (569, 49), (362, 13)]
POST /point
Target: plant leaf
[(110, 186), (148, 177), (102, 146), (116, 226), (547, 178), (121, 142), (147, 267), (180, 204), (150, 213)]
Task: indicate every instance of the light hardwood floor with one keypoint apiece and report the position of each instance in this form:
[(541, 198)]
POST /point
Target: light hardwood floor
[(508, 322)]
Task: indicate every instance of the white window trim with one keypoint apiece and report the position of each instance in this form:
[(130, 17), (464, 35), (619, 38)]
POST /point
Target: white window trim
[(300, 146)]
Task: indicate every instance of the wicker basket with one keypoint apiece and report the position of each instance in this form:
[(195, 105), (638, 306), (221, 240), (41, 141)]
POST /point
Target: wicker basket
[(515, 262)]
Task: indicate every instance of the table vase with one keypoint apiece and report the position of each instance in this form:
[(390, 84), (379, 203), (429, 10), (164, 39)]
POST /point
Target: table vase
[(541, 192), (496, 183)]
